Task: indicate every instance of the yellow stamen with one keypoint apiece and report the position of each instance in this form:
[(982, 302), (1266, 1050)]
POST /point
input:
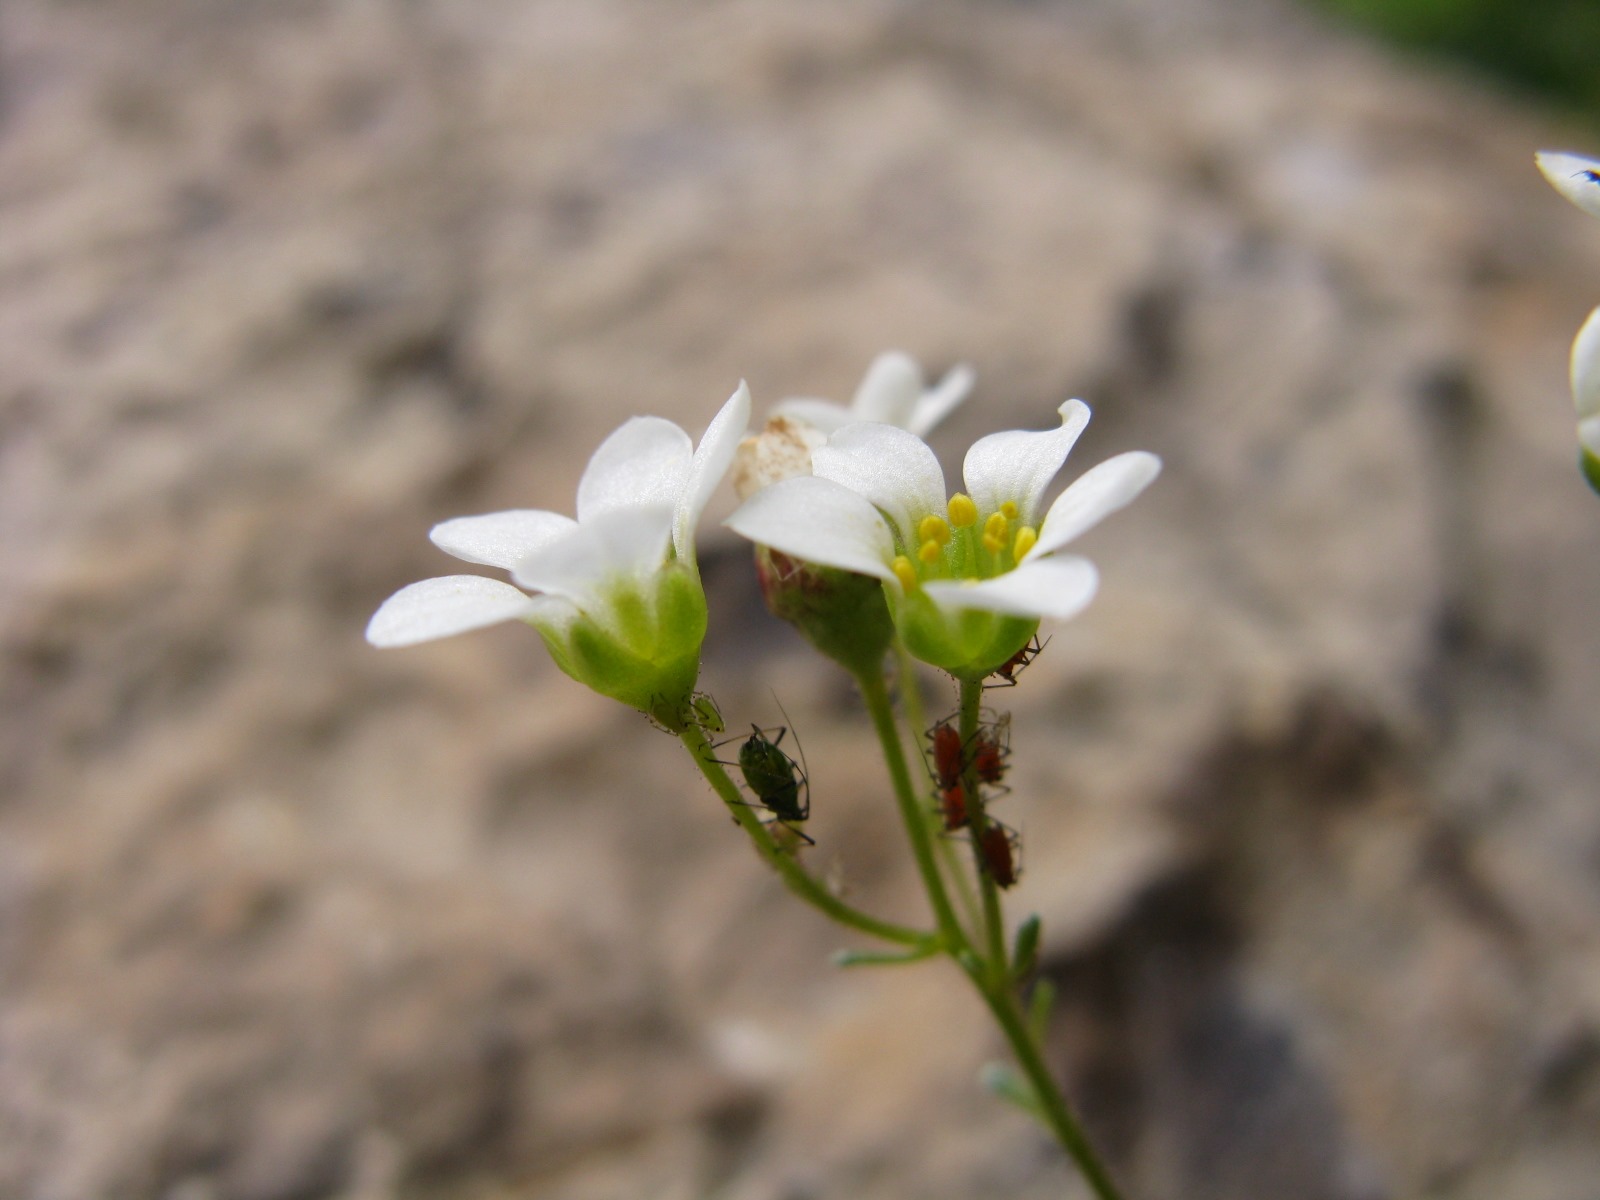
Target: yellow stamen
[(904, 572), (930, 552), (963, 512), (995, 527), (934, 529), (993, 544), (1010, 509), (1027, 536)]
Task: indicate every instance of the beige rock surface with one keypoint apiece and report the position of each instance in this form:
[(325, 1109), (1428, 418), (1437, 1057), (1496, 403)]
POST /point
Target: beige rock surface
[(1308, 795)]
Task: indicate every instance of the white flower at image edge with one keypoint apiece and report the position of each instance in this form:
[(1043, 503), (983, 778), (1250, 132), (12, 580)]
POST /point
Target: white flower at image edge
[(1586, 382), (639, 501), (1578, 179), (1574, 176), (892, 392), (876, 505)]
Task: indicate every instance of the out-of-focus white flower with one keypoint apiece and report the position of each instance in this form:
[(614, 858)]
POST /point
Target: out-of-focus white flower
[(892, 392), (1574, 176), (967, 578), (1578, 179), (617, 595)]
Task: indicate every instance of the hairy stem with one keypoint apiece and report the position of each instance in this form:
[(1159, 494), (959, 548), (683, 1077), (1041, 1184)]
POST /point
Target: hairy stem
[(876, 694), (799, 881), (993, 915)]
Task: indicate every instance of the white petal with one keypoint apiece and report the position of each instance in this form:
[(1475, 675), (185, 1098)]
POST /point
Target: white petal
[(821, 414), (1586, 367), (1095, 494), (437, 608), (1053, 587), (938, 402), (889, 390), (711, 461), (893, 469), (624, 541), (501, 539), (1575, 177), (1019, 464), (820, 521), (646, 461)]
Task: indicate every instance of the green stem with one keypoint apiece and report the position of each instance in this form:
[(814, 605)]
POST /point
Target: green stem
[(876, 694), (916, 720), (998, 986), (799, 881), (1057, 1113), (993, 915)]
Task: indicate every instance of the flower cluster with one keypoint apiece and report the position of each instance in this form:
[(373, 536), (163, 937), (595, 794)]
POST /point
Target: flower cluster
[(866, 546), (1578, 179)]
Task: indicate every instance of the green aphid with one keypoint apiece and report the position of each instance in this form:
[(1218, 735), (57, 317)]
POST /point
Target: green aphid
[(703, 711), (779, 784), (775, 778)]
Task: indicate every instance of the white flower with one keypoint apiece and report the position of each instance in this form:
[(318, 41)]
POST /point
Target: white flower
[(1586, 369), (1574, 176), (892, 392), (618, 597), (1578, 179), (876, 505)]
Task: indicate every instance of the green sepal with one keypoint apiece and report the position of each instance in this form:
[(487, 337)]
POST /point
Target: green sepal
[(971, 643), (642, 648), (1589, 464)]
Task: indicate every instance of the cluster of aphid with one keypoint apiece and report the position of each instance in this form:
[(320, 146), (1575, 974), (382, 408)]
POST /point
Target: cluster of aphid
[(969, 774), (974, 770), (782, 787)]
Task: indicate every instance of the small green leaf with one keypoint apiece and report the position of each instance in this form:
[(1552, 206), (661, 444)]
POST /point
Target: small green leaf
[(1008, 1085), (884, 958), (1025, 952), (1040, 1005)]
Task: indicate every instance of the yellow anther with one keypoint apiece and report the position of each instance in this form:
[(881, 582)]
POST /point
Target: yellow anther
[(1026, 537), (930, 552), (934, 529), (993, 544), (995, 527), (904, 572), (1010, 509), (963, 512)]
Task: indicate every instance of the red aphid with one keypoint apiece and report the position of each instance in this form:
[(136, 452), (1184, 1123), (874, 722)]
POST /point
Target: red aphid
[(1000, 848), (991, 752), (1012, 667), (949, 755), (953, 805)]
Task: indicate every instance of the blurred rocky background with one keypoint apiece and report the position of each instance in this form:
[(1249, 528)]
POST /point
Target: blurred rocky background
[(1309, 795)]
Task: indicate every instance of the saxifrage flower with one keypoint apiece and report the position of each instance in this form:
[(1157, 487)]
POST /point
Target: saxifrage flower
[(893, 392), (969, 577), (617, 594)]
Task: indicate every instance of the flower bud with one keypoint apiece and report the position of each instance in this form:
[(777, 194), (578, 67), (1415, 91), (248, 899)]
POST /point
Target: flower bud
[(842, 614)]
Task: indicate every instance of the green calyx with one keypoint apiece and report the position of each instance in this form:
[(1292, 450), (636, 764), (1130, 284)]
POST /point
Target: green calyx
[(971, 643), (1590, 465), (842, 614), (641, 645)]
